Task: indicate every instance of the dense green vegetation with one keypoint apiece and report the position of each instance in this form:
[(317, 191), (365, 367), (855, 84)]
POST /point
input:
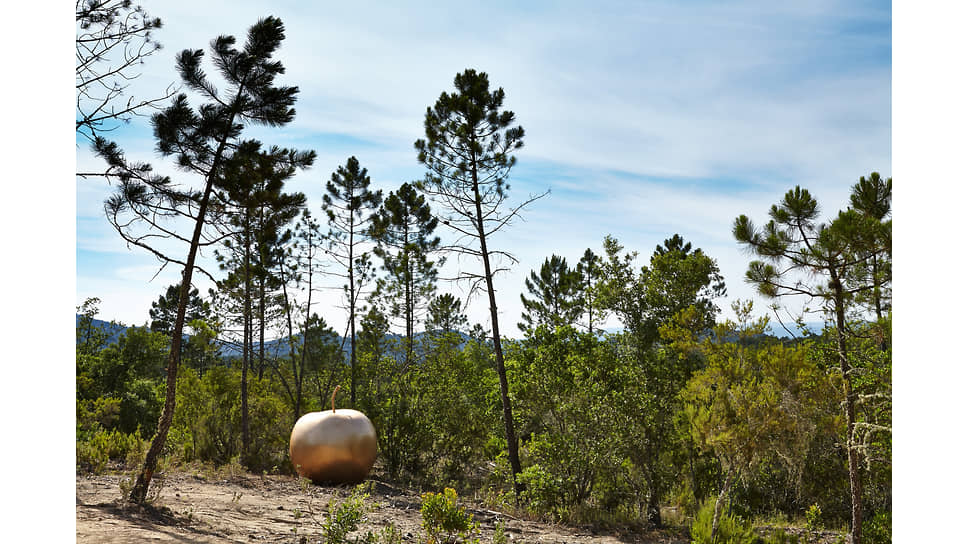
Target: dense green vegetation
[(682, 407)]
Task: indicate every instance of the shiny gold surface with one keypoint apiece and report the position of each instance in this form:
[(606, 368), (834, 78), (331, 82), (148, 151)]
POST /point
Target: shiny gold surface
[(335, 446)]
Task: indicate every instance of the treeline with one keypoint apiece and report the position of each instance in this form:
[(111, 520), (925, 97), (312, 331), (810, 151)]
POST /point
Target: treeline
[(569, 422), (674, 409)]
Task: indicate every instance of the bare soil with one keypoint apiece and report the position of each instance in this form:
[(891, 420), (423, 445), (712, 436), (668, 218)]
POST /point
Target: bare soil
[(193, 507)]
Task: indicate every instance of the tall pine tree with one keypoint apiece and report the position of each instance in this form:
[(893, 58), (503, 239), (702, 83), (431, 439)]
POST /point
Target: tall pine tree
[(258, 210), (803, 256), (403, 230), (871, 196), (589, 270), (468, 154), (147, 205), (349, 204)]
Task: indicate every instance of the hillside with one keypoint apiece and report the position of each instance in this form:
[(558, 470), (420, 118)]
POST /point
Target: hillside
[(228, 350), (280, 346)]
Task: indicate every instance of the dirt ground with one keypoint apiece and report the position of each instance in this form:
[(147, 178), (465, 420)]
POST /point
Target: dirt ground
[(204, 508), (252, 509), (196, 508)]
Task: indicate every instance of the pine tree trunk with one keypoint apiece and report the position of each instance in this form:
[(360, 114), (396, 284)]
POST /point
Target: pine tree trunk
[(510, 435), (140, 489), (853, 465), (262, 325), (353, 356), (877, 289), (246, 349), (352, 319), (296, 371), (408, 300)]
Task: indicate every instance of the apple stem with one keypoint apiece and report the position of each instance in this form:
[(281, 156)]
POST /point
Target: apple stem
[(332, 399)]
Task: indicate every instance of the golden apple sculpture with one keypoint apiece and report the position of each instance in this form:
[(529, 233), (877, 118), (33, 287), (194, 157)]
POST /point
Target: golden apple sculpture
[(335, 446)]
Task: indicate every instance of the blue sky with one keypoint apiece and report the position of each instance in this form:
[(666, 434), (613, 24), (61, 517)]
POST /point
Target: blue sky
[(644, 119)]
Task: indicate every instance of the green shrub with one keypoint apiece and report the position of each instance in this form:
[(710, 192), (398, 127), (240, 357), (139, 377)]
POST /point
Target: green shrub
[(541, 489), (444, 521), (102, 446), (95, 414), (500, 535), (877, 529), (814, 518), (346, 517), (732, 529)]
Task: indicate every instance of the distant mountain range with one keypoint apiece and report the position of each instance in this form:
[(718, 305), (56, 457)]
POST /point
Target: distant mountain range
[(275, 347), (280, 346), (777, 330), (113, 330)]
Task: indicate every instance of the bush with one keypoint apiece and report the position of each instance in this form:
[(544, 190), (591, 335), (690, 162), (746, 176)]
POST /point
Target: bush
[(94, 453), (444, 520), (877, 529), (732, 529), (814, 518), (346, 517)]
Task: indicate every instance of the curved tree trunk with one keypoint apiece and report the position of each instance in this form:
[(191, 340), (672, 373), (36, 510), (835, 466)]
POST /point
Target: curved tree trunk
[(140, 489)]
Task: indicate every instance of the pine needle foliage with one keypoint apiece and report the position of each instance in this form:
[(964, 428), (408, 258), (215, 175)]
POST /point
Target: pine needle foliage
[(149, 211)]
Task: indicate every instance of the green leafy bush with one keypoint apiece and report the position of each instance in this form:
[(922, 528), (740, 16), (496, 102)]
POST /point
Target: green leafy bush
[(208, 422), (346, 517), (500, 535), (94, 453), (814, 518), (877, 529), (444, 521), (732, 529)]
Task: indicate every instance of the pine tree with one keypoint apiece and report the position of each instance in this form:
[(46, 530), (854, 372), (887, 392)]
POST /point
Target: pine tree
[(589, 271), (146, 205), (555, 298), (403, 230), (679, 277), (164, 310), (806, 257), (468, 152), (349, 204), (872, 198), (113, 38), (257, 210), (444, 315)]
